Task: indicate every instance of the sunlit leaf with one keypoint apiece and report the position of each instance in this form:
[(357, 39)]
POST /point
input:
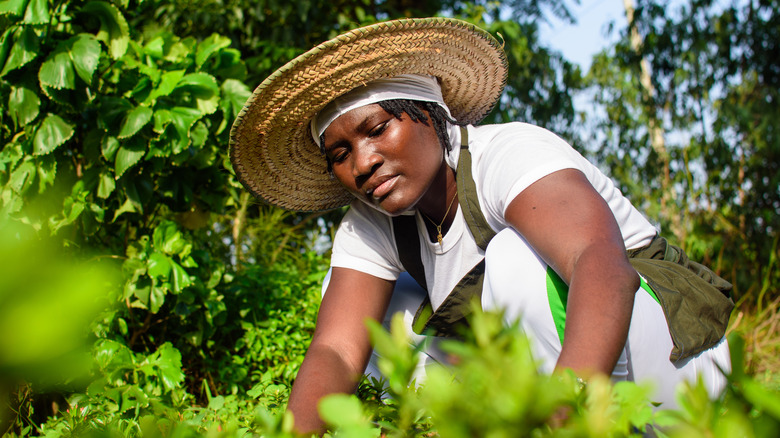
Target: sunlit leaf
[(127, 207), (133, 398), (13, 7), (109, 353), (85, 52), (159, 266), (23, 105), (181, 279), (156, 298), (168, 82), (106, 185), (209, 46), (234, 96), (47, 171), (57, 71), (53, 132), (168, 364), (136, 119), (203, 87), (128, 155), (22, 177), (108, 147), (155, 47), (183, 119), (37, 12), (24, 50), (114, 31), (168, 239)]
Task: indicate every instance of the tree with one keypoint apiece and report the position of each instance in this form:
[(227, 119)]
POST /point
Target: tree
[(715, 83)]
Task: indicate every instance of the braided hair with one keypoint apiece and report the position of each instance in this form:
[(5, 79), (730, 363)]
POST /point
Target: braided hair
[(414, 109)]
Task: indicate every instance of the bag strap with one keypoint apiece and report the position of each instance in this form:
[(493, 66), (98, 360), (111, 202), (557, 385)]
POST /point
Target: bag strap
[(467, 195)]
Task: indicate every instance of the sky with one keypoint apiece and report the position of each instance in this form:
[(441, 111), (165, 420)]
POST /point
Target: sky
[(579, 42)]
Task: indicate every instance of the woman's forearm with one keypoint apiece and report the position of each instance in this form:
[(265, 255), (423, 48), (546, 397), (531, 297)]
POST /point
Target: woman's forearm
[(600, 304), (323, 372)]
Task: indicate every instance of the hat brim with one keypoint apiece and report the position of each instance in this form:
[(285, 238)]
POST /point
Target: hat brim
[(271, 148)]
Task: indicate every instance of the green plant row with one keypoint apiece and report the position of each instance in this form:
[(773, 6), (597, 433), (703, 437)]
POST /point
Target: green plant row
[(494, 390)]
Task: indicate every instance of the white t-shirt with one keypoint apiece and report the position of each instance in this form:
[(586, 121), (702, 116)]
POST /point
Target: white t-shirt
[(506, 159)]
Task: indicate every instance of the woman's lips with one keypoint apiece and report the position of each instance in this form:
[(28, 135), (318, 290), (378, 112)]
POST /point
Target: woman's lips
[(383, 189)]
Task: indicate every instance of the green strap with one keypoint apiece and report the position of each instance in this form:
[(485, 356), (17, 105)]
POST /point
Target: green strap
[(467, 195)]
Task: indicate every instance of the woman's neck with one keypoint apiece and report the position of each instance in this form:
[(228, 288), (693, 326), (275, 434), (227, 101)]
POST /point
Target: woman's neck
[(440, 200)]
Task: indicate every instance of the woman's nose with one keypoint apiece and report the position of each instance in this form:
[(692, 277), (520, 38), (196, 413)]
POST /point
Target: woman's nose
[(366, 160)]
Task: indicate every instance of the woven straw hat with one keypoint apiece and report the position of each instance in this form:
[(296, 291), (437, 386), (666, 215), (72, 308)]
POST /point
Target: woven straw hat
[(271, 148)]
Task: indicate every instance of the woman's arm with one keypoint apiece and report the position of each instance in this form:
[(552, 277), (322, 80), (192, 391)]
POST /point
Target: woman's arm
[(340, 348), (572, 228)]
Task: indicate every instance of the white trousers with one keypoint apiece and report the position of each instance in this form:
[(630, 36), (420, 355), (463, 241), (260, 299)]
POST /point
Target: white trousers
[(516, 281)]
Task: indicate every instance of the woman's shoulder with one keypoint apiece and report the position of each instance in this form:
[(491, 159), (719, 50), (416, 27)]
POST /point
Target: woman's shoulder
[(362, 216), (515, 133)]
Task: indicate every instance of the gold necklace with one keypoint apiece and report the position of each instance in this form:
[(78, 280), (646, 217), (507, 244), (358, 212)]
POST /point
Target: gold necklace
[(438, 227)]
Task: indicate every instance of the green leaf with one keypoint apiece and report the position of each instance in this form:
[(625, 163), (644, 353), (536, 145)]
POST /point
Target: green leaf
[(155, 48), (47, 171), (159, 266), (136, 119), (53, 132), (234, 95), (57, 71), (346, 413), (23, 105), (156, 299), (85, 53), (199, 134), (181, 279), (110, 353), (134, 398), (209, 46), (203, 88), (127, 156), (112, 112), (183, 119), (22, 177), (127, 207), (106, 185), (114, 31), (168, 82), (24, 50), (108, 147), (762, 398), (13, 7), (168, 239), (37, 12), (168, 364), (216, 403)]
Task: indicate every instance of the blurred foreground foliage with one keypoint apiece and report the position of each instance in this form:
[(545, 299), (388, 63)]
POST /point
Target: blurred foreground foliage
[(145, 293)]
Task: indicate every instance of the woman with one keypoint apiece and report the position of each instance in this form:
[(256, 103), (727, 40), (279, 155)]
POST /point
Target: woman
[(383, 118)]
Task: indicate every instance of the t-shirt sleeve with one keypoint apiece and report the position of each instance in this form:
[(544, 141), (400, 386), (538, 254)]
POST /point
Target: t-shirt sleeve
[(364, 242), (516, 158)]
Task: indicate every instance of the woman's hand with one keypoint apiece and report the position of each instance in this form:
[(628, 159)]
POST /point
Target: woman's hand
[(572, 228), (340, 348)]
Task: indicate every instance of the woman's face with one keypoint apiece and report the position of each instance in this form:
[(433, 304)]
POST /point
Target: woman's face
[(385, 162)]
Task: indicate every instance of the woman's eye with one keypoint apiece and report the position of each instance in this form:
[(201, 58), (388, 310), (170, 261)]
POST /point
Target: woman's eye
[(339, 156), (378, 130)]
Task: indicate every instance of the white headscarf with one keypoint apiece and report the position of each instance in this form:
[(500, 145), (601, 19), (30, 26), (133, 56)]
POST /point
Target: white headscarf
[(414, 87)]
